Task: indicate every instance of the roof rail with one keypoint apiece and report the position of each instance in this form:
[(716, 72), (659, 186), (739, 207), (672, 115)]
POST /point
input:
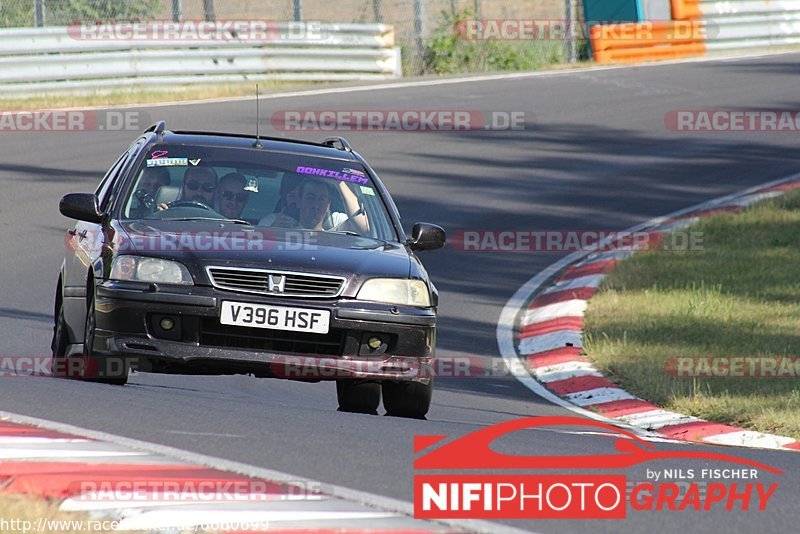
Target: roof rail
[(247, 136), (158, 128), (341, 141)]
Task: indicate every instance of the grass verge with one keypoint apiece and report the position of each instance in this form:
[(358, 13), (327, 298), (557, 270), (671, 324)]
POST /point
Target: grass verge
[(139, 95), (738, 295), (20, 513), (23, 514)]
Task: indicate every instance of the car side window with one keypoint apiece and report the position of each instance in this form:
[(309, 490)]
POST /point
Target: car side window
[(104, 190), (116, 179)]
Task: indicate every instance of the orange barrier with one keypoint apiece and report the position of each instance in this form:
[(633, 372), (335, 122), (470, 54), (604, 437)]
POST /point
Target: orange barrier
[(638, 34), (686, 9), (647, 41)]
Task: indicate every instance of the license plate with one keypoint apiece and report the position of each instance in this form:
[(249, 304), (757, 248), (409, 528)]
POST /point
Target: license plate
[(275, 317)]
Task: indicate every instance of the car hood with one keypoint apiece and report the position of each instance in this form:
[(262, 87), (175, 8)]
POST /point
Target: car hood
[(199, 244)]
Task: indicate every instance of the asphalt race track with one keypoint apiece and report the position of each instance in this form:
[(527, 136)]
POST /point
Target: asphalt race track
[(595, 154)]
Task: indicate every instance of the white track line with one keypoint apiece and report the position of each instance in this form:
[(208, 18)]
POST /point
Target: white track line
[(562, 371), (655, 419), (376, 501), (553, 340), (589, 397), (592, 281), (98, 501), (33, 440), (164, 519), (567, 308), (749, 438)]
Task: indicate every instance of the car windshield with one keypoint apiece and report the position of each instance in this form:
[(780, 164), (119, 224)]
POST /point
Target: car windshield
[(261, 188)]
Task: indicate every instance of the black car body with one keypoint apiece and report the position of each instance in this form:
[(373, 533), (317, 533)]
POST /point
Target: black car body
[(145, 283)]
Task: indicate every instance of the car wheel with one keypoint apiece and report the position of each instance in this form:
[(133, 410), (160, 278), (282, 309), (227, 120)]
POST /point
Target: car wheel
[(358, 396), (90, 364), (59, 344), (407, 399)]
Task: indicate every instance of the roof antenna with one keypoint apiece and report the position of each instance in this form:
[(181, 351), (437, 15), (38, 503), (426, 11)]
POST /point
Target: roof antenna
[(257, 144)]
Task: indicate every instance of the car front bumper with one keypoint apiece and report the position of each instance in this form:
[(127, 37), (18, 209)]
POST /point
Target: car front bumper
[(128, 317)]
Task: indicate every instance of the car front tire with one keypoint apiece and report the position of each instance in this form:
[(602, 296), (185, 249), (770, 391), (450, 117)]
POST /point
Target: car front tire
[(59, 343), (357, 396), (90, 363), (407, 399)]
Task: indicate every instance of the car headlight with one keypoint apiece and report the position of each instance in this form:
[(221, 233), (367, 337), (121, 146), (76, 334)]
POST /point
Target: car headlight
[(396, 291), (140, 269)]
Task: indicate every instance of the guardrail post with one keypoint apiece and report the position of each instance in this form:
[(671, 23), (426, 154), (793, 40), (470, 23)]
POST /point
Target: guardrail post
[(39, 13), (377, 7), (177, 10), (297, 8), (572, 54), (419, 29), (208, 10)]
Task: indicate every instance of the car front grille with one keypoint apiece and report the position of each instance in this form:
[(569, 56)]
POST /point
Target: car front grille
[(214, 334), (258, 281)]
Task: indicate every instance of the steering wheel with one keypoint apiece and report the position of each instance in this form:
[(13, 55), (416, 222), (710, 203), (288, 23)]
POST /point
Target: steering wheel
[(190, 204), (145, 199)]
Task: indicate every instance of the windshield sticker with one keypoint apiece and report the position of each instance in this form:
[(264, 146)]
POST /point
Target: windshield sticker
[(353, 171), (159, 154), (168, 162), (194, 162), (367, 190), (325, 173)]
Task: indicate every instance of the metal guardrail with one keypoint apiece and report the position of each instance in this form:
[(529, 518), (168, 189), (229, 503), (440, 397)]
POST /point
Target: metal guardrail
[(736, 24), (59, 59)]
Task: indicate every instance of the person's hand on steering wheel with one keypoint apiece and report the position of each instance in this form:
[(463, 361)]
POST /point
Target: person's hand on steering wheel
[(184, 204)]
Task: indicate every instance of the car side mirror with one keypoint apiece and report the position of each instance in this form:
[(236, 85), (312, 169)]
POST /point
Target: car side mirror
[(426, 236), (80, 206)]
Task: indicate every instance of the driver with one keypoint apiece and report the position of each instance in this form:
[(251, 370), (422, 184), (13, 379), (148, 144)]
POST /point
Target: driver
[(199, 185)]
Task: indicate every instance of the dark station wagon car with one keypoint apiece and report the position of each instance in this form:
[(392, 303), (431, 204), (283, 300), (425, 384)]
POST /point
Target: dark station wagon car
[(210, 253)]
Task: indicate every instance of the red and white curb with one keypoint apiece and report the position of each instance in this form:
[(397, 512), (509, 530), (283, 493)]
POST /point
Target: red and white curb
[(145, 486), (540, 336)]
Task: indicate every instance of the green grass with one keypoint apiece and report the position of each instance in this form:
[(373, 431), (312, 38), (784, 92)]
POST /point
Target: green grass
[(21, 512), (737, 296), (448, 51), (139, 95)]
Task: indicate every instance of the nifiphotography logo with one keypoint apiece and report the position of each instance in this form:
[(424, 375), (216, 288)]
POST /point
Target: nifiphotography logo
[(457, 491)]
